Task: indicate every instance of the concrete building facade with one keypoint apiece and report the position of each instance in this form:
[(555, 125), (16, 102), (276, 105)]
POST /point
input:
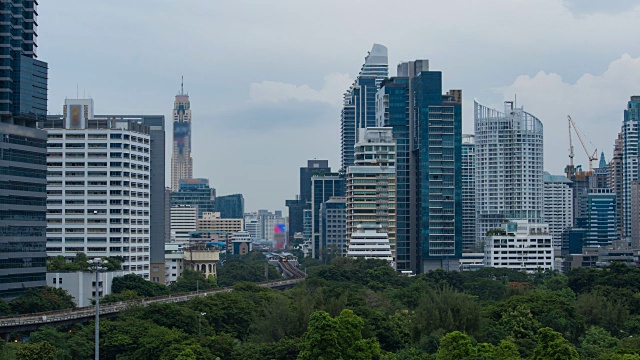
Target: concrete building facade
[(524, 247), (558, 206)]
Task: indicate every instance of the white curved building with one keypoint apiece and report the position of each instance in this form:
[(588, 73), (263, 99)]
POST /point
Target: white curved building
[(368, 243), (509, 167)]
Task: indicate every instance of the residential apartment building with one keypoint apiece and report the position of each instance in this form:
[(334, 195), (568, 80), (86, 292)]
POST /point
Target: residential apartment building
[(557, 211), (630, 148), (371, 184), (369, 242), (333, 218), (469, 238), (509, 166), (323, 188)]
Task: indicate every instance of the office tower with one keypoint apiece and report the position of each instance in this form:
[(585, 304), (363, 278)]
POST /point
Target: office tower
[(635, 214), (230, 206), (615, 182), (181, 156), (371, 184), (196, 193), (557, 209), (302, 202), (370, 242), (469, 239), (359, 110), (184, 220), (580, 182), (307, 223), (23, 146), (601, 229), (102, 185), (509, 167), (524, 247), (427, 128), (323, 188), (333, 218), (629, 160), (167, 214)]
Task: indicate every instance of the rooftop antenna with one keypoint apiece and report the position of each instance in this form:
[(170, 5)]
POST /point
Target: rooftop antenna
[(182, 86)]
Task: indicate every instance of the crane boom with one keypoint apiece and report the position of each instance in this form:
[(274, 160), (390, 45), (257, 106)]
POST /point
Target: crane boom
[(570, 143), (591, 157)]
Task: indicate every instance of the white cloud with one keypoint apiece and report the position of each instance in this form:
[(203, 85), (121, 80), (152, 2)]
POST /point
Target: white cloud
[(274, 91), (595, 102)]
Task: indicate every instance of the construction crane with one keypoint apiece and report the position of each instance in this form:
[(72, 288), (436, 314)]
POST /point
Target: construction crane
[(591, 157)]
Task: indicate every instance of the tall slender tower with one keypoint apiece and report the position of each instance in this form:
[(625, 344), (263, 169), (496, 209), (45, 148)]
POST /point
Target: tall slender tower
[(181, 157)]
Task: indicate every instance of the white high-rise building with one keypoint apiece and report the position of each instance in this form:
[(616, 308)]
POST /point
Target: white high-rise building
[(558, 206), (184, 220), (509, 167), (371, 184), (181, 155), (524, 247), (367, 242), (630, 138), (98, 186), (469, 238), (252, 225)]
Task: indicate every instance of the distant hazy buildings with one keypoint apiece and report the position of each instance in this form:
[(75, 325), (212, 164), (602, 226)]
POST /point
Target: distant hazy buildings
[(105, 186), (214, 221), (181, 156), (427, 129), (333, 218), (558, 206), (359, 110), (524, 247), (323, 188), (509, 166), (230, 206), (23, 101), (302, 202), (469, 238)]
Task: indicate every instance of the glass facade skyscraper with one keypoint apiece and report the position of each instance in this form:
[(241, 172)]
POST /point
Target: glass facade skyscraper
[(427, 127), (23, 151), (195, 193), (230, 206), (359, 110), (323, 188)]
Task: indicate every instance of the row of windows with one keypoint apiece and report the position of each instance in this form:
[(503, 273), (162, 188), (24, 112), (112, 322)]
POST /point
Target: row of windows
[(22, 278), (22, 215), (99, 211), (24, 172), (18, 263), (23, 140), (30, 157)]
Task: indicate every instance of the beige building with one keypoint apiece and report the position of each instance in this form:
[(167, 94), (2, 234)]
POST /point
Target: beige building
[(371, 185), (202, 258), (213, 221)]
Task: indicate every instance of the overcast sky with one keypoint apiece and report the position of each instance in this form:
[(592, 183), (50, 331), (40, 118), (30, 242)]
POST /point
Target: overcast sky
[(266, 78)]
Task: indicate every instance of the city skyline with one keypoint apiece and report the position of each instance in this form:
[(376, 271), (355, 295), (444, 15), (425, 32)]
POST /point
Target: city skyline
[(277, 101)]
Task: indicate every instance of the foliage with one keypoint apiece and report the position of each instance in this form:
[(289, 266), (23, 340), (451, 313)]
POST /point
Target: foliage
[(38, 351), (191, 281), (42, 299), (249, 267), (79, 263), (363, 309)]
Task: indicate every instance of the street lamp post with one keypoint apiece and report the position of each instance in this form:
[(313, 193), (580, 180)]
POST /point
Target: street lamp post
[(200, 323), (96, 265)]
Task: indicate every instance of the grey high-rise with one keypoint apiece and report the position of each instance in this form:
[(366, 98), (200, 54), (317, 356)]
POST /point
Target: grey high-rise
[(23, 164)]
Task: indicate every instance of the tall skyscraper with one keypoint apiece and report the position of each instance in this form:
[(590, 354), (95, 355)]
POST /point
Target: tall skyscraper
[(106, 186), (359, 109), (469, 239), (371, 184), (615, 182), (630, 151), (557, 211), (509, 167), (601, 230), (23, 101), (427, 128), (181, 156)]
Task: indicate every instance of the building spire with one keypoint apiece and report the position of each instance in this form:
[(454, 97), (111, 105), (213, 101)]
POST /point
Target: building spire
[(182, 86)]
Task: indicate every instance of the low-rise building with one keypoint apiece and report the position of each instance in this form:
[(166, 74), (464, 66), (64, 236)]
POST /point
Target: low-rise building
[(82, 285), (524, 246), (241, 243), (202, 258), (173, 258)]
